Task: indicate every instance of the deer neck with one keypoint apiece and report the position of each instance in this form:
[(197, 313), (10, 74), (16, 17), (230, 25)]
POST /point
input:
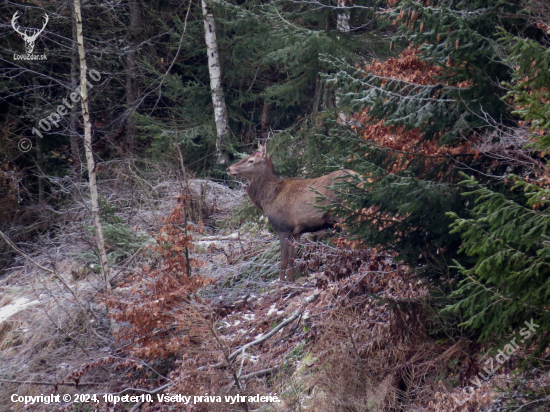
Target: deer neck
[(264, 188)]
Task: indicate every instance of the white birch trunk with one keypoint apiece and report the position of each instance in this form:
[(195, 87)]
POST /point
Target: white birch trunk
[(342, 20), (73, 119), (342, 24), (88, 146), (218, 99)]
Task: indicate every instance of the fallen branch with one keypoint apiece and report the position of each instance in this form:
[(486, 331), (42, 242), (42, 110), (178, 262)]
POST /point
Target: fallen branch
[(217, 239), (115, 277), (276, 329), (53, 383), (14, 247), (228, 362), (151, 392), (59, 278), (260, 373)]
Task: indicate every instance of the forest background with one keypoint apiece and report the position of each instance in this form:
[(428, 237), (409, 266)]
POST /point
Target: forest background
[(441, 106)]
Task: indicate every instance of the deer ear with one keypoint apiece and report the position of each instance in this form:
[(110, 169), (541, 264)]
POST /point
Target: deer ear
[(262, 148)]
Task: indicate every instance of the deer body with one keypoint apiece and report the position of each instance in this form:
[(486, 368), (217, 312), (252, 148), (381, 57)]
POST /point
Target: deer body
[(289, 205)]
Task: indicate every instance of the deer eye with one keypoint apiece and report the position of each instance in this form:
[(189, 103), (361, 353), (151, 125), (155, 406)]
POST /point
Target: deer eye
[(251, 161)]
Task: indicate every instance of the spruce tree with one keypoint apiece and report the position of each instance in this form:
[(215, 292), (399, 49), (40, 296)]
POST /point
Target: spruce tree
[(507, 232), (433, 103), (460, 100)]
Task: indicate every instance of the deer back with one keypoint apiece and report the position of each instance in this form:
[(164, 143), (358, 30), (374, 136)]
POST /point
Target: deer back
[(295, 206)]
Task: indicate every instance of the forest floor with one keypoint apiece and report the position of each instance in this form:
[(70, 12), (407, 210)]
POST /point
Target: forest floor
[(354, 333)]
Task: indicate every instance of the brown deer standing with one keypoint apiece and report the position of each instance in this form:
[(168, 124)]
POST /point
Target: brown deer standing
[(289, 205)]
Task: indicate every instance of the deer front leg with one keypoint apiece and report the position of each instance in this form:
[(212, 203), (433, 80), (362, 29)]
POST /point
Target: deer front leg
[(283, 238)]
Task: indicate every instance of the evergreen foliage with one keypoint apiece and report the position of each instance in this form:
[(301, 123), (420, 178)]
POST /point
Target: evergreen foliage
[(423, 118), (529, 91), (409, 175), (121, 241), (408, 125), (420, 116), (301, 34), (510, 280), (508, 230)]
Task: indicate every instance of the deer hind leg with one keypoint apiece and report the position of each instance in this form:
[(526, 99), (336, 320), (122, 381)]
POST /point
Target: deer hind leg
[(292, 255), (283, 238)]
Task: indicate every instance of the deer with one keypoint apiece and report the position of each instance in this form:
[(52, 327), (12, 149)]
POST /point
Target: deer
[(289, 205), (29, 35)]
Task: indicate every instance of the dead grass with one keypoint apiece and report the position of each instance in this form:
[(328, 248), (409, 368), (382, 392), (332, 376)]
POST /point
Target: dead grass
[(70, 327)]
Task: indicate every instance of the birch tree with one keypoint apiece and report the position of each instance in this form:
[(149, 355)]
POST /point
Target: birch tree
[(342, 24), (73, 119), (88, 146), (214, 69), (342, 21)]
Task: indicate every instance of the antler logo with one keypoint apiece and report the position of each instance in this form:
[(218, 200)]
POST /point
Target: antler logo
[(29, 35)]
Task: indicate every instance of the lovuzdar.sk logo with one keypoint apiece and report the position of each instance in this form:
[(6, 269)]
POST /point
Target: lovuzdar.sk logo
[(29, 35)]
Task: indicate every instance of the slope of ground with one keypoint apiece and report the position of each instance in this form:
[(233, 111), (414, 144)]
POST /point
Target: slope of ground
[(354, 333)]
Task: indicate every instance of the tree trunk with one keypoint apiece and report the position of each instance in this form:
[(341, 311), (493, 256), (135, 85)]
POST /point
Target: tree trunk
[(132, 92), (319, 85), (73, 116), (266, 119), (40, 167), (39, 151), (218, 100), (343, 26), (342, 21), (88, 147)]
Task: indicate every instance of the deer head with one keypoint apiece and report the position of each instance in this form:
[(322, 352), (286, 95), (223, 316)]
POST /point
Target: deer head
[(252, 166), (29, 35)]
